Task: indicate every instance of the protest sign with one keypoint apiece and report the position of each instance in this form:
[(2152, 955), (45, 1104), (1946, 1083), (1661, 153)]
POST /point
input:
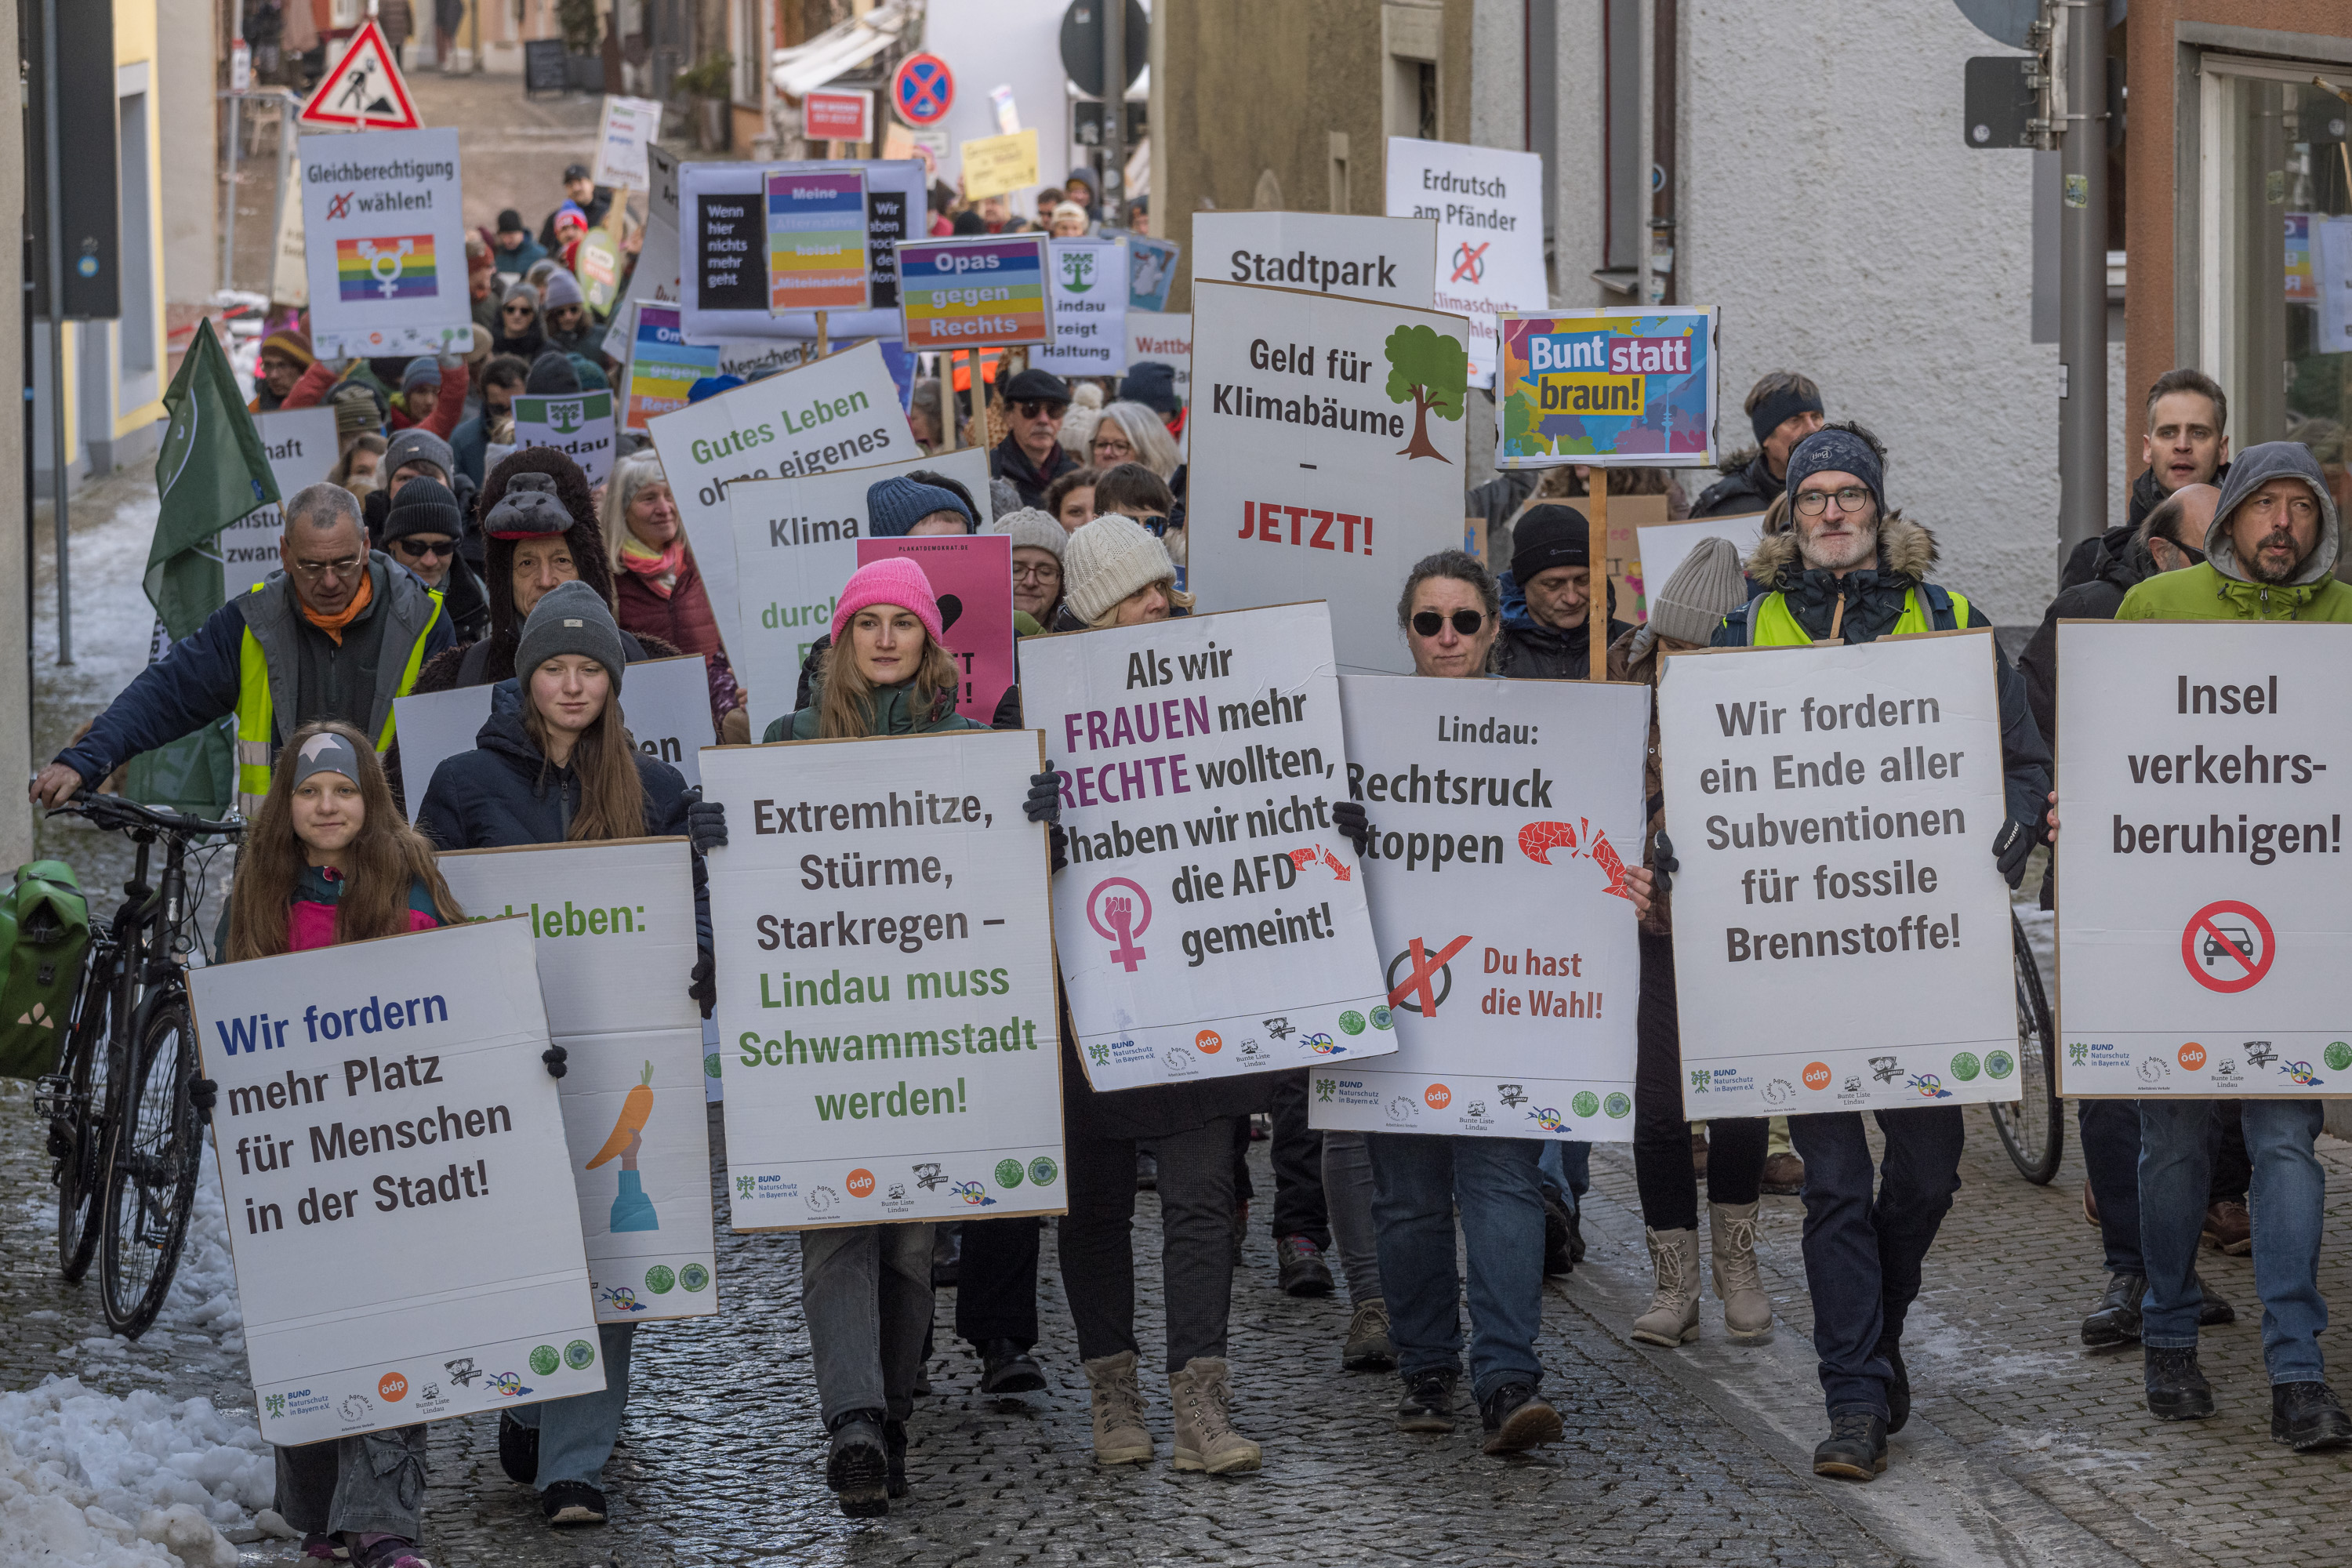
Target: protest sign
[(1663, 547), (1000, 165), (289, 268), (791, 544), (724, 236), (1610, 388), (580, 427), (842, 411), (1391, 259), (1487, 205), (889, 1045), (816, 240), (1087, 290), (665, 703), (663, 366), (629, 126), (613, 927), (1504, 817), (301, 445), (1182, 813), (984, 288), (384, 239), (654, 276), (1151, 269), (598, 264), (1842, 936), (1328, 456), (385, 1100), (1167, 338), (971, 577), (2206, 922)]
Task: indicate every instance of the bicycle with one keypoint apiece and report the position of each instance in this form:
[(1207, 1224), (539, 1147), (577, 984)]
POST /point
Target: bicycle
[(123, 1133), (2032, 1127)]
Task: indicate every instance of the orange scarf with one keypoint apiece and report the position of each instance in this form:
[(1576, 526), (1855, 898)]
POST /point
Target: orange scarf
[(333, 625)]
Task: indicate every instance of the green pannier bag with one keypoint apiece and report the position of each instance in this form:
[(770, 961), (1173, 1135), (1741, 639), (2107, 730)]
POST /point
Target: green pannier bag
[(44, 936)]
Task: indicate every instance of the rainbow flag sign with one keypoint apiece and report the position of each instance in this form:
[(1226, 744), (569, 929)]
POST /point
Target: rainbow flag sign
[(816, 241), (961, 293), (663, 366), (398, 267), (1609, 388), (380, 209)]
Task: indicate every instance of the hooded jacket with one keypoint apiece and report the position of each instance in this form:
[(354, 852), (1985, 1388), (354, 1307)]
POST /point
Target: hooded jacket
[(1746, 486), (1529, 650), (505, 793), (2221, 589)]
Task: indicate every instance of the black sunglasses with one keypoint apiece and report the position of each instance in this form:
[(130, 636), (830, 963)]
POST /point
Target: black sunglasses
[(1428, 623), (417, 550), (1032, 407)]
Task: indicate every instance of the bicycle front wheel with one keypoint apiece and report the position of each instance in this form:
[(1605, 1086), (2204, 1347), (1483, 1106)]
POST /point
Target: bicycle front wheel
[(151, 1179), (2032, 1127), (78, 1134)]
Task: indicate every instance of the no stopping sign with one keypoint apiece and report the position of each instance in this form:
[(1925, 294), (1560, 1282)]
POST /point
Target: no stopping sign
[(2227, 946)]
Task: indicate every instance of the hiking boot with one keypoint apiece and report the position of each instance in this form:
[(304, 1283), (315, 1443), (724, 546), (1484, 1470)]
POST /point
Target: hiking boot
[(1517, 1418), (518, 1450), (1007, 1367), (320, 1547), (1367, 1347), (1558, 1219), (2306, 1417), (1856, 1448), (1747, 1311), (894, 1444), (1428, 1402), (1120, 1436), (2213, 1312), (568, 1503), (2230, 1226), (1673, 1317), (1784, 1174), (2115, 1320), (1205, 1438), (2177, 1389), (1898, 1391), (1303, 1271), (858, 1466)]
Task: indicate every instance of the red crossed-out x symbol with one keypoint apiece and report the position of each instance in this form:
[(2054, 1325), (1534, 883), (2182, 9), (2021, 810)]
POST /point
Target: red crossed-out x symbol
[(1423, 966), (340, 207), (1473, 262)]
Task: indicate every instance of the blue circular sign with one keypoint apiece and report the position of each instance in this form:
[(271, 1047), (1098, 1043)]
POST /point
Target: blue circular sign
[(923, 90)]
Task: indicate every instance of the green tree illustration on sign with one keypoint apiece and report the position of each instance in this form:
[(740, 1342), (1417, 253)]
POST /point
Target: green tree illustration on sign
[(1077, 271), (1434, 371)]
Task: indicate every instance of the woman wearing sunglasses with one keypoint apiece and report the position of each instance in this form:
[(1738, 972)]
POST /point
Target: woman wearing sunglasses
[(421, 532), (521, 331)]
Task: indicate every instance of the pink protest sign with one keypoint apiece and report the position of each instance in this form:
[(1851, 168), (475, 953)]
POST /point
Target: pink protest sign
[(972, 577)]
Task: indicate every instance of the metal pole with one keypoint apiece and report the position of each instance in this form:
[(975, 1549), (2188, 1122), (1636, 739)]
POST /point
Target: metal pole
[(55, 221), (2082, 273), (1114, 140), (228, 190)]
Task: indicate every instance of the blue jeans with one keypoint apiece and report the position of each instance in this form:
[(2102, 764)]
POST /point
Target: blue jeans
[(369, 1485), (2287, 1195), (1418, 1180), (575, 1435), (1566, 1170), (1863, 1257)]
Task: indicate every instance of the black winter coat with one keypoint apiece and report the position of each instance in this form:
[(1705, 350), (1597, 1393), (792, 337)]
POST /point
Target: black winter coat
[(1744, 488), (2117, 561), (504, 793)]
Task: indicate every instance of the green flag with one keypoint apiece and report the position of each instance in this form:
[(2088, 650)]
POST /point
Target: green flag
[(212, 471)]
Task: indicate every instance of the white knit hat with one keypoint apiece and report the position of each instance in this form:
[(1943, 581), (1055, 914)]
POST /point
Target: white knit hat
[(1108, 559), (1033, 529)]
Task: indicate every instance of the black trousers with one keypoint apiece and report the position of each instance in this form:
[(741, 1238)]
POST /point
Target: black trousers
[(1297, 1158), (1196, 1239), (1662, 1148), (996, 1285)]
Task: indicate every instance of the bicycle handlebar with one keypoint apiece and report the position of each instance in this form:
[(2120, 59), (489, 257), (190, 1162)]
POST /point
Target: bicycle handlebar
[(114, 811)]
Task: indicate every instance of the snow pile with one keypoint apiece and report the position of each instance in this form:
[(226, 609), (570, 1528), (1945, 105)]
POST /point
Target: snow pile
[(45, 1520), (141, 1451)]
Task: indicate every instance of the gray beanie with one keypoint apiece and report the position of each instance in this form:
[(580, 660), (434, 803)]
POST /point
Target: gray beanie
[(418, 445), (571, 618), (563, 288), (1108, 559), (1703, 589), (1033, 529)]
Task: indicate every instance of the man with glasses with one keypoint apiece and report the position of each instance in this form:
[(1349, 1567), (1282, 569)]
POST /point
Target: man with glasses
[(1848, 570), (421, 532), (1031, 458), (337, 633)]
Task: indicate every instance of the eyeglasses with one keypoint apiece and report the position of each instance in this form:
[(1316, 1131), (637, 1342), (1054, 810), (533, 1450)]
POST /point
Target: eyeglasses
[(1040, 572), (1112, 444), (1428, 623), (417, 549), (311, 571), (1030, 408), (1849, 498)]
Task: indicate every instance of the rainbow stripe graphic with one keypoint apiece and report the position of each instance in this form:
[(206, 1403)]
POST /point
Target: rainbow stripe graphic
[(394, 267), (961, 293), (816, 241)]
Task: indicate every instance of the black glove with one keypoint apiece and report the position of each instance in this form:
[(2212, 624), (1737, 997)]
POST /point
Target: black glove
[(1662, 865), (1061, 838), (1348, 817), (556, 1058), (1045, 802), (703, 986), (203, 1093), (2012, 845), (706, 822)]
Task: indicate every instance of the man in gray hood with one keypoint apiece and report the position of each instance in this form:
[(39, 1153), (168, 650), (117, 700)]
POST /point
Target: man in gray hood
[(2270, 550)]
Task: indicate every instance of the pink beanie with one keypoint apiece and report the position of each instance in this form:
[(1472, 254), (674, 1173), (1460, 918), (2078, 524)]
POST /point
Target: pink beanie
[(896, 581)]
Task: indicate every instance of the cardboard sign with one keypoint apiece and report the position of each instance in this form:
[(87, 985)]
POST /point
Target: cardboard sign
[(666, 702), (654, 276), (663, 366), (1211, 920), (1327, 456), (301, 445), (384, 235), (289, 268), (792, 545), (1842, 936), (386, 1100), (1610, 388), (614, 924), (816, 240), (1665, 546), (724, 237), (1086, 287), (1000, 165), (579, 426), (1489, 208), (1167, 338), (971, 577), (2204, 919), (981, 290), (886, 985), (1151, 266), (1505, 816), (599, 266), (628, 126), (1391, 259)]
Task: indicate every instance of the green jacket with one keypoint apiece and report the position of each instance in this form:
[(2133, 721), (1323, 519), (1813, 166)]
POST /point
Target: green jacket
[(2202, 594), (895, 718)]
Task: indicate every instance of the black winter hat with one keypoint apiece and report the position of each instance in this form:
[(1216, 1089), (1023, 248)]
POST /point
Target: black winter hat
[(551, 375), (1547, 536), (510, 222), (424, 506), (1037, 385), (1151, 383)]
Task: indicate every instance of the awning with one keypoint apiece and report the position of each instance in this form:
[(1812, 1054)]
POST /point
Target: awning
[(799, 70)]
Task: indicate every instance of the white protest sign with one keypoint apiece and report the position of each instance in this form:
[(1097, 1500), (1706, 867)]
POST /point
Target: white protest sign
[(839, 413), (889, 1045), (628, 127), (1327, 456), (579, 426), (1086, 296), (1842, 936), (665, 703), (654, 276), (385, 238), (301, 445), (1497, 881), (614, 928), (1663, 547), (1164, 336), (793, 544), (1211, 921), (2204, 918), (1488, 206), (1391, 259), (723, 219), (289, 271), (384, 1115)]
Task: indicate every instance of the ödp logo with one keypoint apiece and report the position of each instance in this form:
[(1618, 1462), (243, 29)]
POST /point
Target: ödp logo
[(1817, 1075), (1209, 1041), (861, 1184), (1437, 1097), (394, 1387), (2192, 1057)]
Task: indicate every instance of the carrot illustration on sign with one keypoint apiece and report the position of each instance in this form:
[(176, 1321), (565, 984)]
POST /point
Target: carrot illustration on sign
[(632, 1210)]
